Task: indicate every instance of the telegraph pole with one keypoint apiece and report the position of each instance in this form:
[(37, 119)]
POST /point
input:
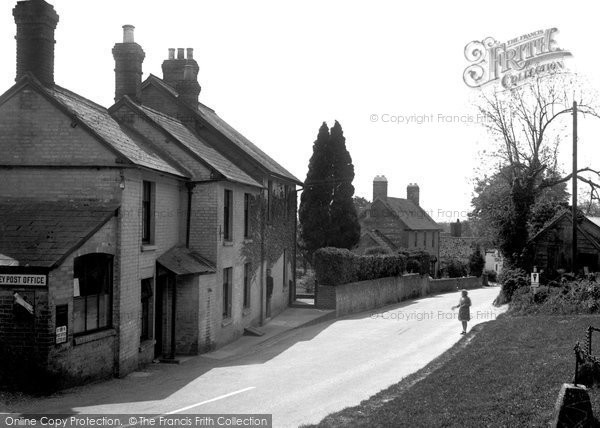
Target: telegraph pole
[(574, 204)]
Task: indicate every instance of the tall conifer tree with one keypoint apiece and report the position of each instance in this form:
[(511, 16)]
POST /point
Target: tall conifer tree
[(316, 195), (345, 230), (327, 213)]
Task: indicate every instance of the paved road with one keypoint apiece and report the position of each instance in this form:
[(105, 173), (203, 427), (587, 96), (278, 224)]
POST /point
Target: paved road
[(299, 377)]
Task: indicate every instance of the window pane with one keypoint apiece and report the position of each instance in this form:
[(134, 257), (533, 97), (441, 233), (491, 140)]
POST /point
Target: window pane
[(78, 314), (104, 310), (92, 313)]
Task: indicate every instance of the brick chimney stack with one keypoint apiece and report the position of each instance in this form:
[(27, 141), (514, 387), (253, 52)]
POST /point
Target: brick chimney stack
[(36, 21), (456, 229), (380, 187), (412, 193), (181, 73), (129, 57)]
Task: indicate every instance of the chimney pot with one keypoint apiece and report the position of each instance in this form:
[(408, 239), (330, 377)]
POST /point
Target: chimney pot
[(36, 22), (171, 53), (180, 54), (129, 57), (412, 193), (128, 34), (380, 187), (190, 53), (188, 72)]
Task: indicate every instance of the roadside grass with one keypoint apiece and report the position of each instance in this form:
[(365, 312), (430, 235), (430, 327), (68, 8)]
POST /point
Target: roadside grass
[(503, 373)]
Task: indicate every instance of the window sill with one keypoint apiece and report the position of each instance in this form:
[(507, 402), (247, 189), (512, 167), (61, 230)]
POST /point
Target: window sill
[(228, 243), (91, 337), (247, 240), (145, 344), (148, 247), (226, 322), (247, 311)]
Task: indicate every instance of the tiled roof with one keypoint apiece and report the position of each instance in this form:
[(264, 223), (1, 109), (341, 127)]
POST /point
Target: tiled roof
[(242, 142), (183, 261), (44, 233), (209, 115), (382, 240), (99, 120), (415, 217), (217, 161)]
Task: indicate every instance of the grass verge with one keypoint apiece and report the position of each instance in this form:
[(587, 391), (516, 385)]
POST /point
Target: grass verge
[(504, 373)]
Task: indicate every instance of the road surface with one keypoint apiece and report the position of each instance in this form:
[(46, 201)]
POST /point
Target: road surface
[(298, 377)]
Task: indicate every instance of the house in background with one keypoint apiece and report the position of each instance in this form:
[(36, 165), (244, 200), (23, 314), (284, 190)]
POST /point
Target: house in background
[(142, 231), (455, 246), (494, 261), (551, 247), (398, 224)]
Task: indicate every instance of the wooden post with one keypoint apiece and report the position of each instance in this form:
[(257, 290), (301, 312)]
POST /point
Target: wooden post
[(574, 203)]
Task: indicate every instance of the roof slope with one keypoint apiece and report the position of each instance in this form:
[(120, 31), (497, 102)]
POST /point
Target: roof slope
[(208, 115), (568, 215), (413, 216), (381, 240), (44, 233), (183, 261), (212, 157), (98, 119)]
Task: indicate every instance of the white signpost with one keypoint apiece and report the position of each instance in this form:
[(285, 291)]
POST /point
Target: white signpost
[(535, 279)]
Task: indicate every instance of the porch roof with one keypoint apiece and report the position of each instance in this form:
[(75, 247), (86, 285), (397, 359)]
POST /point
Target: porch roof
[(43, 234), (183, 261)]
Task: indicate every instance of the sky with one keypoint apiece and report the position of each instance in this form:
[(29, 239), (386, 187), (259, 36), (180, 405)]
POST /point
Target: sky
[(276, 70)]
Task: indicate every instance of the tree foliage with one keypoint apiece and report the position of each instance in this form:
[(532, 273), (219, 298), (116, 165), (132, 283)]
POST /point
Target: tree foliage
[(327, 214), (476, 262), (526, 125)]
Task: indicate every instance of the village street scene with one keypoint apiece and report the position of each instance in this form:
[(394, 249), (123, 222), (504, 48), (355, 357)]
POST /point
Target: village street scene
[(299, 218)]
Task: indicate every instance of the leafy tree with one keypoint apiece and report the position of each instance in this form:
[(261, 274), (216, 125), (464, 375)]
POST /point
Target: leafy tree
[(360, 203), (476, 262), (525, 122), (327, 213)]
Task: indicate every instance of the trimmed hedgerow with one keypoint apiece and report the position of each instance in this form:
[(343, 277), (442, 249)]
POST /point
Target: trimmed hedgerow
[(336, 266), (418, 261)]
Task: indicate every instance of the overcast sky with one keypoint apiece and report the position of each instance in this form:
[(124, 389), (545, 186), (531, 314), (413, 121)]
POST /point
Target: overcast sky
[(276, 70)]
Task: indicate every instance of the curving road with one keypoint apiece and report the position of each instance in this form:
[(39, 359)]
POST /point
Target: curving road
[(299, 377)]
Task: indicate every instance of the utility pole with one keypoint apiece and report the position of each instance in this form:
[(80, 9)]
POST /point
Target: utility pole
[(574, 204)]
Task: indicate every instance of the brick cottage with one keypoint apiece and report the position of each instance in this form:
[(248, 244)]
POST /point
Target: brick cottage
[(146, 230), (394, 224)]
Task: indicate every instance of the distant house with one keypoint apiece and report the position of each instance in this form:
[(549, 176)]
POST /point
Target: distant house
[(494, 260), (454, 246), (396, 223), (552, 246)]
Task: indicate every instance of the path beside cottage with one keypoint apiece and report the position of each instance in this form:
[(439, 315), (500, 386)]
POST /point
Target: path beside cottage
[(299, 377)]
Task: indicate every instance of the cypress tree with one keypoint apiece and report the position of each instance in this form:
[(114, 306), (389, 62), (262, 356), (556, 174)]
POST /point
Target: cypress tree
[(316, 197), (327, 214), (345, 230)]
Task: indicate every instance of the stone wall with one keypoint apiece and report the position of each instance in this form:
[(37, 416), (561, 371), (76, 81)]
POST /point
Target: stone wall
[(364, 295)]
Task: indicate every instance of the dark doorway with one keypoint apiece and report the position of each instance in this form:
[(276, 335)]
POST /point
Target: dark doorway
[(161, 286)]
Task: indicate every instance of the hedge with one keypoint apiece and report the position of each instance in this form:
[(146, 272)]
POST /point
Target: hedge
[(335, 266)]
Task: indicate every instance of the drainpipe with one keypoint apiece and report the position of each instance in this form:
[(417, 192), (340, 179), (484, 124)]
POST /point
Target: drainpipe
[(190, 189), (263, 293), (295, 248)]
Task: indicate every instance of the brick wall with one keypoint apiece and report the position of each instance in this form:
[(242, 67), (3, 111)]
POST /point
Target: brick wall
[(364, 295), (447, 285), (34, 132), (32, 339)]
